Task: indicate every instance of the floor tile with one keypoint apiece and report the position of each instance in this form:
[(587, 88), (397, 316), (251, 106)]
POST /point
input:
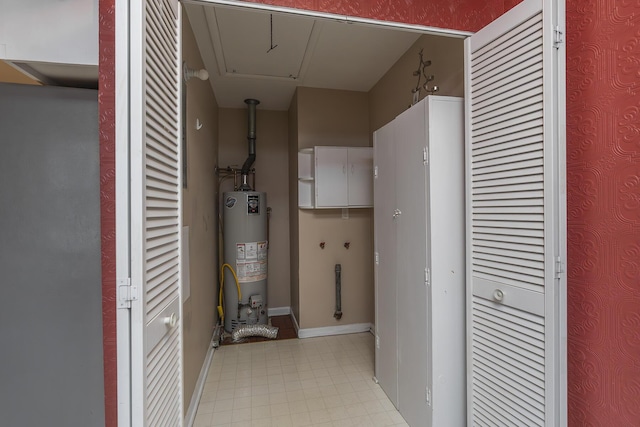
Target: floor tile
[(322, 381)]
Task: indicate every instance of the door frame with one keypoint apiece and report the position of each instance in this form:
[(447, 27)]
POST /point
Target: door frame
[(122, 175), (122, 214)]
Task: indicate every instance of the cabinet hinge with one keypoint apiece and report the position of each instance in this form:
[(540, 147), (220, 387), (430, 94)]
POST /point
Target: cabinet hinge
[(559, 267), (377, 258), (427, 396), (558, 37), (427, 276), (377, 342), (375, 172), (425, 155), (126, 293)]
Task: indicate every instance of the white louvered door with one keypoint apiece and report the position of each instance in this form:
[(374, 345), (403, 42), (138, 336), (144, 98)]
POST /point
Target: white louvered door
[(515, 220), (156, 321)]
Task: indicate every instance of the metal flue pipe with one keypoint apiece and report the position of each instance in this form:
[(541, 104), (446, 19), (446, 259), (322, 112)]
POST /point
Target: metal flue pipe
[(251, 137)]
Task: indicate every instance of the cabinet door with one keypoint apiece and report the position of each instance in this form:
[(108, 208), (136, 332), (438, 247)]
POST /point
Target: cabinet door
[(384, 188), (331, 177), (413, 313), (360, 176)]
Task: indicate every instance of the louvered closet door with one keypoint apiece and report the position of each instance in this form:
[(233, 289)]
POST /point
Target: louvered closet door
[(514, 161), (156, 325)]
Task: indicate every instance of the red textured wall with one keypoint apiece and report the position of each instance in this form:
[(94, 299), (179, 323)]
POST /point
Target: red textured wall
[(603, 192), (106, 108), (603, 174)]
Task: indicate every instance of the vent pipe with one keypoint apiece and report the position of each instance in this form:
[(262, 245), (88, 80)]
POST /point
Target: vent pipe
[(251, 137)]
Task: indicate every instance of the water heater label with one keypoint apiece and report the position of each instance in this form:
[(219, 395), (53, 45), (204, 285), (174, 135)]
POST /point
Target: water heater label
[(251, 261), (253, 204)]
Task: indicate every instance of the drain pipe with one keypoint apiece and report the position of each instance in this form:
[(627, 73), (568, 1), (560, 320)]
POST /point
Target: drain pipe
[(338, 313), (251, 137)]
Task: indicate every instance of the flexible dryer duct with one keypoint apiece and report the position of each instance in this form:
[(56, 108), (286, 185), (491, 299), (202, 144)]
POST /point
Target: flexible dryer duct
[(245, 331)]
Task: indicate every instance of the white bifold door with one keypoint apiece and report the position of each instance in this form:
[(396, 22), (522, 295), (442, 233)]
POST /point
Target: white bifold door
[(151, 113), (516, 219)]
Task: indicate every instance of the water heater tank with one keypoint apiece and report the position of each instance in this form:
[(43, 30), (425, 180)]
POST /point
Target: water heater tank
[(245, 249)]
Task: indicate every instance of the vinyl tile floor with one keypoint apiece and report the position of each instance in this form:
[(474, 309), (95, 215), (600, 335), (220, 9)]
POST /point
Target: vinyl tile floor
[(324, 381)]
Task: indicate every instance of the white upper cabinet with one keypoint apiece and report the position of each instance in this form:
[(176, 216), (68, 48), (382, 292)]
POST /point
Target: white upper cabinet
[(332, 186), (360, 176), (335, 177)]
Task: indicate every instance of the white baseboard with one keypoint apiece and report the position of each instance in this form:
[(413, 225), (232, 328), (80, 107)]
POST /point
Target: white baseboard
[(352, 328), (278, 311), (295, 322), (197, 392)]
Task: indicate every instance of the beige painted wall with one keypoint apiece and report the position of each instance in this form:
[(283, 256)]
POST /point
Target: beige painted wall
[(200, 214), (294, 223), (333, 117), (392, 94), (272, 176)]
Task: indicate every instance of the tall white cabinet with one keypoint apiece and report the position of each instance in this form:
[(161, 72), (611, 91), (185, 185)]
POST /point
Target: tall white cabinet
[(419, 216)]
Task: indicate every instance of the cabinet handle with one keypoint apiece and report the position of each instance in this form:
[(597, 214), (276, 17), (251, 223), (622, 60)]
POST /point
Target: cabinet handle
[(396, 213), (498, 295)]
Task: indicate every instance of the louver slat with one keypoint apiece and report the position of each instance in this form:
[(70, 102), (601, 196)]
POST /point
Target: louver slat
[(518, 350)]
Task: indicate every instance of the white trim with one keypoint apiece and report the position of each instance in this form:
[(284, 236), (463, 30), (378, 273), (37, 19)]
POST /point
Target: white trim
[(561, 303), (295, 322), (331, 16), (353, 328), (178, 11), (468, 271), (197, 392), (123, 271), (278, 311)]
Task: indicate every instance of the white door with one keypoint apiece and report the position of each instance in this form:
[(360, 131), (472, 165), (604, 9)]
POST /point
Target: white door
[(155, 222), (412, 241), (360, 173), (384, 187), (331, 177), (515, 220)]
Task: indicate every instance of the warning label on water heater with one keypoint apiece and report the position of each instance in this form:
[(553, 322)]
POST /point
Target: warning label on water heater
[(251, 261)]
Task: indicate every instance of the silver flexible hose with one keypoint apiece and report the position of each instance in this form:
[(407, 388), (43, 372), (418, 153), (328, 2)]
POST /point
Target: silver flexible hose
[(245, 331)]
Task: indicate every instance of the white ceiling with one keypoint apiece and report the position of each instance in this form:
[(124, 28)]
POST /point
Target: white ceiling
[(235, 47)]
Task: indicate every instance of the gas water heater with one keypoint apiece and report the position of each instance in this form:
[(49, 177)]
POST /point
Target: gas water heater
[(245, 249), (245, 244)]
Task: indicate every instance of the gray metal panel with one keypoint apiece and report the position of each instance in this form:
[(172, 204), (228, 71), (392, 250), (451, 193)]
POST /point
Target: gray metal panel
[(50, 312)]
